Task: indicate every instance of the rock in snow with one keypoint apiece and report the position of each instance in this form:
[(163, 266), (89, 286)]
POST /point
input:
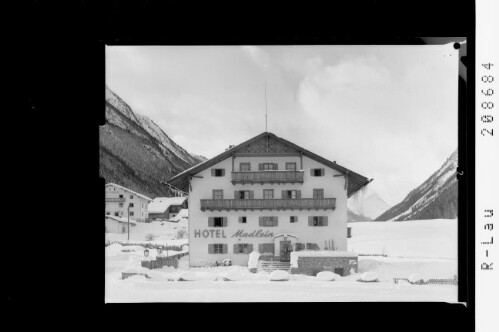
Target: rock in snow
[(369, 276), (279, 275), (326, 276)]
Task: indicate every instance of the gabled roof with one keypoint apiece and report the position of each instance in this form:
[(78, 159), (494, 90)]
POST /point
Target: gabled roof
[(355, 180), (160, 204), (122, 220), (182, 214), (130, 191)]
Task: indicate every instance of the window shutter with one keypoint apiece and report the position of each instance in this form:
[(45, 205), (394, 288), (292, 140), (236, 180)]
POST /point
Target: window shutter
[(274, 221), (211, 221), (224, 221), (249, 249), (212, 172), (240, 219), (310, 221), (323, 171), (275, 166), (283, 194), (260, 167), (225, 248), (298, 194), (311, 172), (223, 172), (235, 248), (260, 248), (236, 194), (324, 221), (260, 221), (251, 194), (211, 249)]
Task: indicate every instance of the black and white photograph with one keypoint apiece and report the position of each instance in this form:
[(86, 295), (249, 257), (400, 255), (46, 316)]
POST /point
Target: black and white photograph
[(281, 173)]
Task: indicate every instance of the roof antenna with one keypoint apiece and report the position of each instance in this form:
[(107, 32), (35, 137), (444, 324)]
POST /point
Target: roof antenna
[(265, 105)]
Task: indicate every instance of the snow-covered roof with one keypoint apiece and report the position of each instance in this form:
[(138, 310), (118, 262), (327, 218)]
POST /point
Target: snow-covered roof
[(122, 220), (184, 213), (160, 204), (130, 191)]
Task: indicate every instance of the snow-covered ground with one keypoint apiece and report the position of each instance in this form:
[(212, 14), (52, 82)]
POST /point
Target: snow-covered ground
[(164, 232), (428, 248)]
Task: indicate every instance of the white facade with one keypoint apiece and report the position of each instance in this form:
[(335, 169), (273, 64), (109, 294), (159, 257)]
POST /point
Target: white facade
[(117, 225), (118, 199), (334, 187)]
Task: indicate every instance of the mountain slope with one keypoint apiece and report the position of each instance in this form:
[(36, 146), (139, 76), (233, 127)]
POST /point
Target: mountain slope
[(354, 217), (435, 198), (136, 153), (371, 207)]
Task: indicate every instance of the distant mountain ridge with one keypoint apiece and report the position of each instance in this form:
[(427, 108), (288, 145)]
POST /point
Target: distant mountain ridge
[(436, 198), (371, 207), (354, 217), (136, 153)]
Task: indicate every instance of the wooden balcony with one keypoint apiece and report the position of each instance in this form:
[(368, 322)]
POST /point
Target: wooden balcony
[(115, 199), (268, 204), (267, 177)]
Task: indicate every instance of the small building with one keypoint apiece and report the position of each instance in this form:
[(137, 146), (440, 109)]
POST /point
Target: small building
[(182, 216), (118, 224), (269, 195), (166, 208), (120, 200)]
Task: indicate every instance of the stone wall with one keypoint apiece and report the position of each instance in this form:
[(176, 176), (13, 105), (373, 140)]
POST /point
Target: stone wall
[(313, 265)]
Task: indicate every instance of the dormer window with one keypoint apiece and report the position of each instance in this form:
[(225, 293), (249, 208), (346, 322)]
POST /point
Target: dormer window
[(317, 171), (217, 172)]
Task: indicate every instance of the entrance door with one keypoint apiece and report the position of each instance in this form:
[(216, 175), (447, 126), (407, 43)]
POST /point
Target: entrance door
[(285, 251)]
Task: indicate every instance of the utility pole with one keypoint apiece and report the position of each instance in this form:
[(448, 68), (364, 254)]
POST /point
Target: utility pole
[(128, 222)]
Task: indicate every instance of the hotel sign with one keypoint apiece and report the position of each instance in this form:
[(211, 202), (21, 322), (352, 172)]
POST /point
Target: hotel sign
[(220, 233)]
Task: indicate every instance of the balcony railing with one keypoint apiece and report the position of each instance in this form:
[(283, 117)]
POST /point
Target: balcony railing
[(115, 199), (269, 204), (268, 177)]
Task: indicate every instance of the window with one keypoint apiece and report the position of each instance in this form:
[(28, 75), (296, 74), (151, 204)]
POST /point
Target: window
[(116, 214), (318, 221), (244, 167), (317, 172), (290, 194), (318, 193), (268, 193), (131, 204), (108, 213), (121, 204), (293, 219), (267, 221), (267, 167), (218, 194), (243, 248), (218, 248), (266, 248), (121, 196), (242, 220), (290, 166), (244, 194), (131, 196), (217, 172), (131, 213), (217, 221)]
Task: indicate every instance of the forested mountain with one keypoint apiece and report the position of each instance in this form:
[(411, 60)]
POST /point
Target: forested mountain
[(435, 198), (136, 153)]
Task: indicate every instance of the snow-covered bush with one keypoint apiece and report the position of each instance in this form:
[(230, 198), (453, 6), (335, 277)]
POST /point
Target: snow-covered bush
[(149, 237), (227, 262), (416, 278), (369, 276), (326, 276), (181, 233), (279, 275)]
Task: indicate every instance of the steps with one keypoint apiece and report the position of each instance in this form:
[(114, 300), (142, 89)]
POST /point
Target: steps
[(269, 266)]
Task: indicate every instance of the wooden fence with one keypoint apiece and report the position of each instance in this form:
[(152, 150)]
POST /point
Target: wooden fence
[(434, 281), (146, 245)]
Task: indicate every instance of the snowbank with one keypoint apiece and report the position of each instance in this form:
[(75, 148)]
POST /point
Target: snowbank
[(113, 249), (253, 260), (279, 275), (416, 277), (197, 276), (320, 253), (369, 276), (136, 269), (327, 276), (234, 275)]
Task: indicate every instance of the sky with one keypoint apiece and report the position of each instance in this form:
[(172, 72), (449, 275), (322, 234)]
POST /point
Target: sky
[(386, 112)]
